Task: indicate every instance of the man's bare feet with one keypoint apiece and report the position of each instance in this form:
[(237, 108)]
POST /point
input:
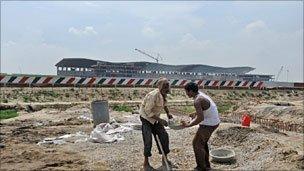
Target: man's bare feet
[(171, 165)]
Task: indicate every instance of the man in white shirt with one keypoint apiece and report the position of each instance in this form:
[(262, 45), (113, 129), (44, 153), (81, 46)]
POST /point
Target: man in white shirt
[(208, 119)]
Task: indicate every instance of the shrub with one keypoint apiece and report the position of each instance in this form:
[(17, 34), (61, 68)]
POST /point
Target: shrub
[(122, 108), (135, 93), (67, 95), (26, 98)]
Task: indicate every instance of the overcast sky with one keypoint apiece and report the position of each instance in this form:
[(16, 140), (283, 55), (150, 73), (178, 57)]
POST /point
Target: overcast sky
[(264, 35)]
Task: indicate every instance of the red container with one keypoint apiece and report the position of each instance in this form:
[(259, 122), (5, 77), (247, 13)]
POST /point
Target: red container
[(246, 120)]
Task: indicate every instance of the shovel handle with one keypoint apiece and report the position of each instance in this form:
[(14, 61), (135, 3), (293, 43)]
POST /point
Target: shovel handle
[(163, 153)]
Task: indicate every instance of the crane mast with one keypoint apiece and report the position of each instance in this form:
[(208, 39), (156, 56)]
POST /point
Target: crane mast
[(279, 73)]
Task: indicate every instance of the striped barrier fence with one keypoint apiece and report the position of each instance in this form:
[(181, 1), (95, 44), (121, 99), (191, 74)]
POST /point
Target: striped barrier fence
[(49, 81), (68, 81)]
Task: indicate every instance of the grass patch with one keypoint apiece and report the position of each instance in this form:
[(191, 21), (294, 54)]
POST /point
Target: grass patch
[(120, 108), (187, 109), (224, 107), (50, 93), (45, 93), (9, 113), (114, 94)]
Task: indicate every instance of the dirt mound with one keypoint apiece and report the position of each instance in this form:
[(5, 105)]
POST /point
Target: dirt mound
[(32, 130), (233, 135), (31, 134), (258, 148), (283, 111), (70, 121), (13, 158)]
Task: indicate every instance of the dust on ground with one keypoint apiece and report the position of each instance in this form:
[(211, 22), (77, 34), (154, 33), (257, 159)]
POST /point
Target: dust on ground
[(257, 147)]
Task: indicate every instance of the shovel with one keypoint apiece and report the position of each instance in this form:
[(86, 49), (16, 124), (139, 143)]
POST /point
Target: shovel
[(163, 153)]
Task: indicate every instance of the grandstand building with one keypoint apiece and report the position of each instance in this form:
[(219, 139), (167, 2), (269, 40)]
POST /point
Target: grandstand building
[(81, 67)]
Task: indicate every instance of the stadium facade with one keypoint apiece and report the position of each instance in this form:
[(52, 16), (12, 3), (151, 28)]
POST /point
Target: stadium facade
[(81, 67)]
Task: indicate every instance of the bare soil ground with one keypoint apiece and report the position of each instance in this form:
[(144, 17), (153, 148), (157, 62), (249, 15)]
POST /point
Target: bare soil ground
[(257, 147)]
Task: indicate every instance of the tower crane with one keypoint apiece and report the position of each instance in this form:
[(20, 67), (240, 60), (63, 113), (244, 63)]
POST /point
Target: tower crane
[(279, 73), (155, 58)]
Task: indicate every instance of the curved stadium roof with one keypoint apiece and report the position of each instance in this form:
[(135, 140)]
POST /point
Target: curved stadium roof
[(150, 66)]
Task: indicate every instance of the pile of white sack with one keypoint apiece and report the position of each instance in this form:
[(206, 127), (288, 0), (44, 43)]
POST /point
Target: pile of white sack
[(107, 133), (102, 133)]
